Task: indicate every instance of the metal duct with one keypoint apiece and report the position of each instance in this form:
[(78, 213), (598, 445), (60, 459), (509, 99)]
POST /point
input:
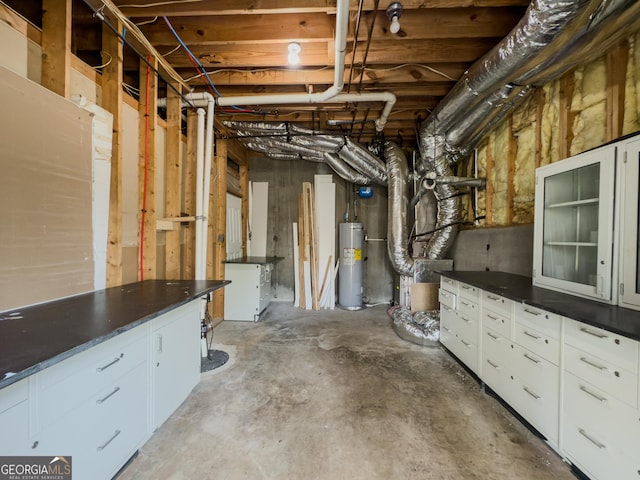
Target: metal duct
[(422, 328), (398, 199), (344, 171)]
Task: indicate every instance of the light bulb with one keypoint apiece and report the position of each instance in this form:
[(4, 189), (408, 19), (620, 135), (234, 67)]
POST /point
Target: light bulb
[(293, 59), (294, 50), (395, 25)]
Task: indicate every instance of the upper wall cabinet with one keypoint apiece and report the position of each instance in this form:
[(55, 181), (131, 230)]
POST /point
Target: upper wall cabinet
[(630, 260), (574, 234)]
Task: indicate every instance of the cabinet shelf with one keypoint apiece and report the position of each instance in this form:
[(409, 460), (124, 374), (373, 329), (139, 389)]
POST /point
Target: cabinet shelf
[(575, 203)]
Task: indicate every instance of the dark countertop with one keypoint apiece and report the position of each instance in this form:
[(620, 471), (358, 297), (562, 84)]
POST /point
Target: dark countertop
[(623, 321), (33, 338), (256, 260)]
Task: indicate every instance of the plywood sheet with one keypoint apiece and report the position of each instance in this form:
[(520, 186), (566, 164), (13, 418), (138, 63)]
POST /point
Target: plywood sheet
[(259, 213), (46, 241)]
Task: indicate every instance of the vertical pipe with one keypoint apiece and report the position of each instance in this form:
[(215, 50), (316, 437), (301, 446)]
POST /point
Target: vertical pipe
[(200, 275)]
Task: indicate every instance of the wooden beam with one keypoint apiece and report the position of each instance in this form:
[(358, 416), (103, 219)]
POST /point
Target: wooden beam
[(244, 190), (617, 59), (190, 194), (112, 102), (56, 46), (173, 181), (489, 190), (147, 167), (565, 115), (218, 225)]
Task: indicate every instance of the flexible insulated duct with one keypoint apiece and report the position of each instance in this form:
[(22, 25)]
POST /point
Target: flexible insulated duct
[(398, 199)]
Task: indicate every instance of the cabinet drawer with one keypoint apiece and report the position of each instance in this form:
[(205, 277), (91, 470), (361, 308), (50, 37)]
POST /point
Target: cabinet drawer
[(447, 298), (64, 386), (538, 342), (497, 374), (104, 431), (497, 303), (497, 322), (469, 292), (605, 416), (13, 394), (615, 349), (468, 308), (540, 320), (609, 378), (496, 348), (468, 328), (449, 284), (593, 453), (447, 337), (465, 350)]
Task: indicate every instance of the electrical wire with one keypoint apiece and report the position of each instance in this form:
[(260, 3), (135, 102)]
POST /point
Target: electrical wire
[(404, 65), (98, 67), (148, 22), (178, 47), (159, 4)]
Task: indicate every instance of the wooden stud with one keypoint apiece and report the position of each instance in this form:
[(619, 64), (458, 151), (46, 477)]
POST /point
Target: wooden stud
[(540, 103), (190, 194), (218, 225), (511, 170), (489, 189), (617, 59), (301, 252), (147, 163), (173, 181), (565, 127), (112, 101), (244, 191), (56, 46)]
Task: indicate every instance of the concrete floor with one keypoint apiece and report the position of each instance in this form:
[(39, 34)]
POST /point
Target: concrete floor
[(337, 395)]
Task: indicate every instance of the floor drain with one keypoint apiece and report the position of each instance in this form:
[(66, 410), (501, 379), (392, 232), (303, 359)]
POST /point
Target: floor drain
[(215, 359)]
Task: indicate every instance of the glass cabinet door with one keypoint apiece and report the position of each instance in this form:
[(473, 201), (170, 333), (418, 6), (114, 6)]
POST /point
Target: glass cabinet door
[(574, 224), (630, 219)]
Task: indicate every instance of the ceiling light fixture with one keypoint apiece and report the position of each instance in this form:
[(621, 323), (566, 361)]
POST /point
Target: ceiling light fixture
[(394, 11), (294, 53)]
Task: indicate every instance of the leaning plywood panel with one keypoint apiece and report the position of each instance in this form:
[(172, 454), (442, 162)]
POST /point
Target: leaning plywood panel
[(46, 244), (325, 201), (259, 213)]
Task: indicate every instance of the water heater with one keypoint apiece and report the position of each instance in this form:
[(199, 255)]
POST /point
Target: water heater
[(350, 270)]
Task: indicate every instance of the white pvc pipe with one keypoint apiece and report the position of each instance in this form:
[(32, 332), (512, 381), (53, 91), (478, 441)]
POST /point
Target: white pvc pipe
[(199, 274), (208, 154)]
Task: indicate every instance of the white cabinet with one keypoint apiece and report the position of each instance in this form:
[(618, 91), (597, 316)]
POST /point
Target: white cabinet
[(630, 235), (14, 418), (460, 329), (249, 292), (601, 420), (175, 360), (574, 236)]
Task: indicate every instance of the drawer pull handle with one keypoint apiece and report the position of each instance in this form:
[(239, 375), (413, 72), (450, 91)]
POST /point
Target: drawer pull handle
[(496, 366), (465, 320), (447, 308), (116, 360), (115, 434), (535, 337), (594, 395), (448, 331), (593, 364), (445, 295), (466, 304), (530, 358), (592, 333), (491, 297), (102, 400), (534, 395), (492, 317), (467, 287), (495, 337), (465, 343), (591, 439), (532, 312)]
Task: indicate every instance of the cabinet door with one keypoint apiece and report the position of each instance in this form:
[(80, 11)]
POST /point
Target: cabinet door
[(630, 285), (176, 359), (574, 213)]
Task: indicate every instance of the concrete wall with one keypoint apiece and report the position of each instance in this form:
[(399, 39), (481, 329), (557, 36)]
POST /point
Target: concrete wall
[(285, 182)]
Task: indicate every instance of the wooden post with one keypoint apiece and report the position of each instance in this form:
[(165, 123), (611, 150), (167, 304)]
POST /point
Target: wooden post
[(617, 59), (218, 224), (565, 135), (540, 102), (511, 171), (112, 98), (147, 163), (489, 167), (173, 181), (244, 190), (56, 46), (190, 194)]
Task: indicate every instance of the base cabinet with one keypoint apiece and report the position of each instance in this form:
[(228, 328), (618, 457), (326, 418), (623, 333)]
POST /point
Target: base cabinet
[(578, 385), (99, 406)]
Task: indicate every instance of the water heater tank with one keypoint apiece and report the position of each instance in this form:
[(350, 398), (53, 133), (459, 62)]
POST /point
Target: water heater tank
[(350, 270)]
